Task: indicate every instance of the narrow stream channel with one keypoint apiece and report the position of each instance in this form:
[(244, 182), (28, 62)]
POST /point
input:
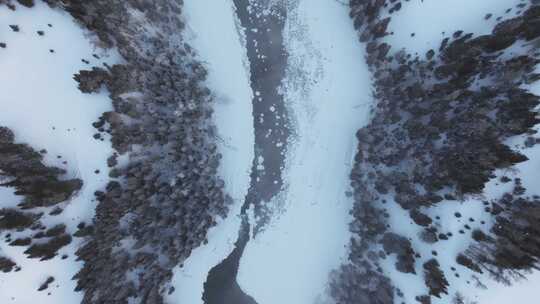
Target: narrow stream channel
[(263, 24)]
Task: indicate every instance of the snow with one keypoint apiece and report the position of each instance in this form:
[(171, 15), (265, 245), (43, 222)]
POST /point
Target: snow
[(41, 103), (412, 285), (9, 198), (428, 19), (521, 292), (217, 37), (327, 90)]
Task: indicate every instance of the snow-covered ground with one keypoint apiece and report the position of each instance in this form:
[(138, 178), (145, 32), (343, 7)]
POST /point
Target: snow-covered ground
[(216, 35), (428, 19), (412, 285), (41, 103), (524, 291), (328, 93)]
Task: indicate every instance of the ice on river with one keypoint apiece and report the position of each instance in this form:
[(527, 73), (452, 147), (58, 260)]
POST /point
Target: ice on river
[(328, 93)]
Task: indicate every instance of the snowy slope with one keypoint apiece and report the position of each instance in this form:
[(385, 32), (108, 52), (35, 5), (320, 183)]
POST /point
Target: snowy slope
[(525, 291), (432, 20), (327, 90), (217, 39), (428, 20), (445, 251), (40, 102)]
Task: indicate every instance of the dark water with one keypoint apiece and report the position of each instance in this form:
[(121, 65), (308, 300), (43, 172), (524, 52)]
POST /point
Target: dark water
[(221, 286), (268, 61)]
